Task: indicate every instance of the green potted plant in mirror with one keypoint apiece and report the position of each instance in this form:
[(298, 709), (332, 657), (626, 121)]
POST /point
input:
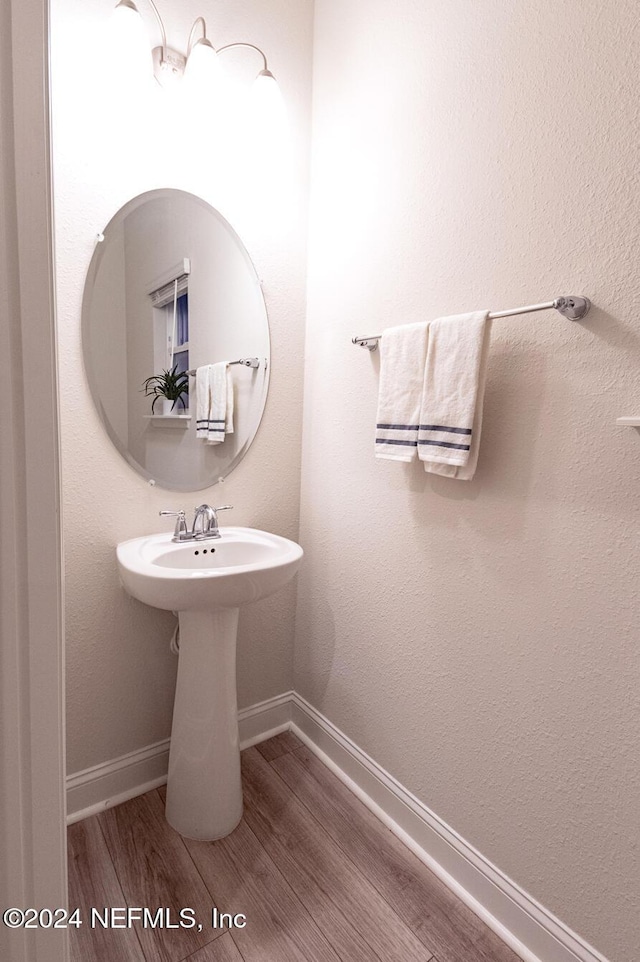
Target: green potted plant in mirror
[(170, 386)]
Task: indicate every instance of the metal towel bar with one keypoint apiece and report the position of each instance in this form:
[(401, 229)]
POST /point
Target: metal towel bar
[(247, 361), (573, 307)]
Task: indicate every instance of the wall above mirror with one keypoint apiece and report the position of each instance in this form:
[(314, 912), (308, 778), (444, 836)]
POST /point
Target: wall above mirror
[(171, 290)]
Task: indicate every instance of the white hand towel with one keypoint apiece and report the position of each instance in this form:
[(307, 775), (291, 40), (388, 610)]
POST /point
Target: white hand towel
[(202, 401), (453, 393), (402, 358), (227, 385), (214, 402)]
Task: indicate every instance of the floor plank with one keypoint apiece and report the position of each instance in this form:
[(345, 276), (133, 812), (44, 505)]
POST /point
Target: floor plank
[(440, 920), (242, 878), (357, 921), (93, 884), (155, 871), (279, 745), (222, 949)]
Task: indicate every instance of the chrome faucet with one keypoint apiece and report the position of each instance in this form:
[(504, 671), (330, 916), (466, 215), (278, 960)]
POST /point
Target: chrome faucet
[(205, 523)]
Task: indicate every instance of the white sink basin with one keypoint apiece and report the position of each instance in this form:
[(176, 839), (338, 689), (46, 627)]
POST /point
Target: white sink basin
[(206, 582), (243, 565)]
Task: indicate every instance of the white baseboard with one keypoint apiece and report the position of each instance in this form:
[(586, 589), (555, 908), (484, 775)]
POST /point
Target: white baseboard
[(111, 783), (264, 720), (116, 781), (518, 919)]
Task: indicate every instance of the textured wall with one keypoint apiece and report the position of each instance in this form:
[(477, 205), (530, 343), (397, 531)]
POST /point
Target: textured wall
[(110, 145), (479, 639)]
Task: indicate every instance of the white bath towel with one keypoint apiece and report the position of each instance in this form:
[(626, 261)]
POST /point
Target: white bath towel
[(453, 393), (403, 351), (214, 402)]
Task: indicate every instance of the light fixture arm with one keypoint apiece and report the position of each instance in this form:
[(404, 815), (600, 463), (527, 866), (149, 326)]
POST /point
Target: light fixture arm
[(163, 32), (198, 20), (172, 61), (228, 46)]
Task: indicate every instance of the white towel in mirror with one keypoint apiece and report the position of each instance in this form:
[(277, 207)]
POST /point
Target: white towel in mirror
[(214, 402)]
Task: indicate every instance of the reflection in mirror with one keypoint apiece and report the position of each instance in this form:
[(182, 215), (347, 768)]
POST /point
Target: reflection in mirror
[(175, 340)]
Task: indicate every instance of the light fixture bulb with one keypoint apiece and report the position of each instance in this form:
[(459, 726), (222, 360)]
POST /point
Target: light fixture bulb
[(267, 101), (203, 71), (268, 145), (268, 110), (131, 42), (126, 9)]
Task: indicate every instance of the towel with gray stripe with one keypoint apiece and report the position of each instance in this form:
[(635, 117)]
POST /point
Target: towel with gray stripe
[(432, 382), (214, 402)]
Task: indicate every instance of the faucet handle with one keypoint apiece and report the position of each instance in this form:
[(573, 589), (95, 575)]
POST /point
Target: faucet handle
[(223, 507), (180, 531)]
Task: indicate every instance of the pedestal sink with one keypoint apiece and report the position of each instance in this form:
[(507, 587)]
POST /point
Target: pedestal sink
[(206, 582)]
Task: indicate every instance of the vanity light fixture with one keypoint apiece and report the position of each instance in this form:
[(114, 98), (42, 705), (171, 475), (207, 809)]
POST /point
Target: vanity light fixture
[(201, 62)]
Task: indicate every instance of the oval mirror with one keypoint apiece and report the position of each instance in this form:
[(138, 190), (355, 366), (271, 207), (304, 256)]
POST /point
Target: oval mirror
[(175, 340)]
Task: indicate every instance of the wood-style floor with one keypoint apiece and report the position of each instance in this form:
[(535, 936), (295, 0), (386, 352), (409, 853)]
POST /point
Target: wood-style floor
[(318, 877)]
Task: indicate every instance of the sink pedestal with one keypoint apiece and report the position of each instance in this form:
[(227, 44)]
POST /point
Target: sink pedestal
[(207, 582), (204, 791)]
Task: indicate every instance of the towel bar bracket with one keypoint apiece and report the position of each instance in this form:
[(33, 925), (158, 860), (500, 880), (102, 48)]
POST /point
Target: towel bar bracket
[(573, 308), (371, 343)]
